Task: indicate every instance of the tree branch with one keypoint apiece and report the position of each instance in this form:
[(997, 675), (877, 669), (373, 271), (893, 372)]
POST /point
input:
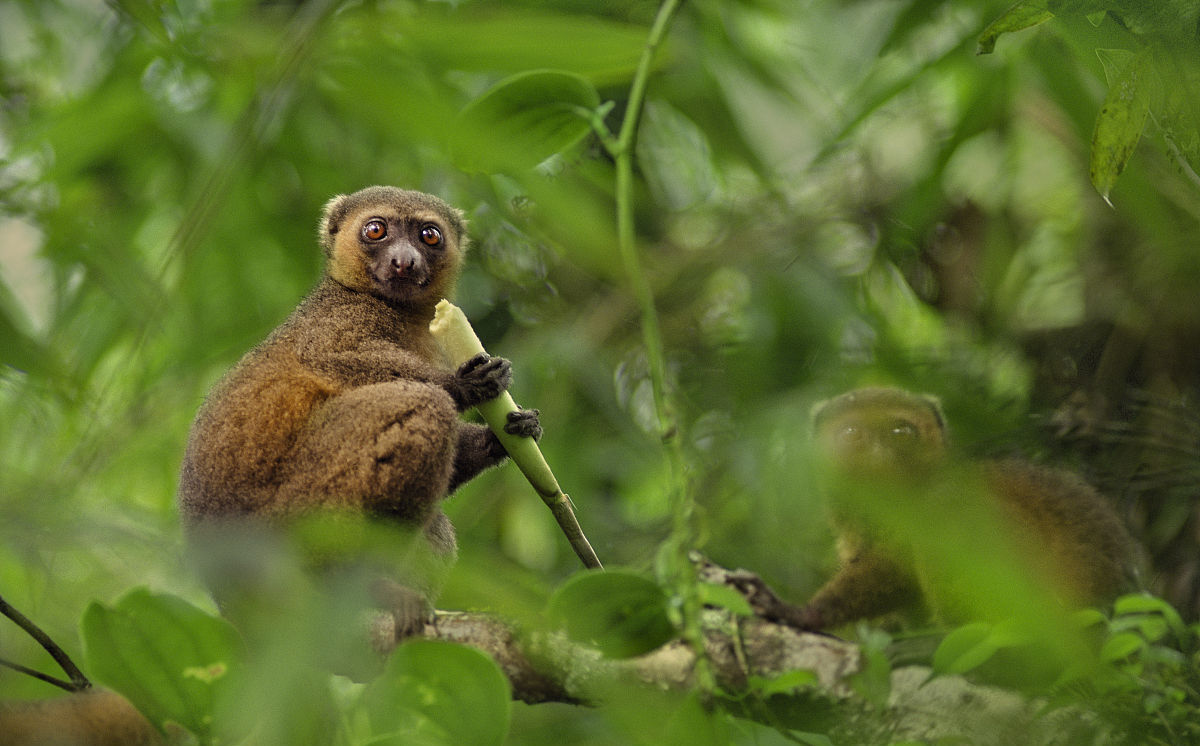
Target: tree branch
[(549, 668), (741, 653)]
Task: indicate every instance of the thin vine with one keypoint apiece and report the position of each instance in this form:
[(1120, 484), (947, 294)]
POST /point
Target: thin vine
[(622, 148)]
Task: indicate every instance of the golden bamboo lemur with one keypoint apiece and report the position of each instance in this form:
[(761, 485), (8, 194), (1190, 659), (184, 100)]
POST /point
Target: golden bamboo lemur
[(884, 444), (347, 405)]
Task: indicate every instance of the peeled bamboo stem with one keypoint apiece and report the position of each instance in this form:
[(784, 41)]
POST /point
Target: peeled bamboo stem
[(453, 332)]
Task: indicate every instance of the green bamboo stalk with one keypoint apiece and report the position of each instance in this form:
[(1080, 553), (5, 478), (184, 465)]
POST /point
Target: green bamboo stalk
[(458, 340)]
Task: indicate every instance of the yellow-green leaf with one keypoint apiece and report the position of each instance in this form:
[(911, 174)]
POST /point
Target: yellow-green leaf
[(1119, 124)]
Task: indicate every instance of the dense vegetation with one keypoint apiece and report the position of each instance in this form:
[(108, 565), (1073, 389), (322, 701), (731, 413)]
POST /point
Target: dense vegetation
[(689, 224)]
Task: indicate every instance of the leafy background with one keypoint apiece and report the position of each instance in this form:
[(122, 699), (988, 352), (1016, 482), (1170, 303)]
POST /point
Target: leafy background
[(827, 194)]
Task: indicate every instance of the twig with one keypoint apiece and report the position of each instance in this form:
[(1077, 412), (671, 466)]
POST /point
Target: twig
[(78, 682), (68, 686)]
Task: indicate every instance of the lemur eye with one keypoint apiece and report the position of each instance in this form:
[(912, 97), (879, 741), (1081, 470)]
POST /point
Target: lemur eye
[(904, 429), (431, 236), (849, 434), (374, 229)]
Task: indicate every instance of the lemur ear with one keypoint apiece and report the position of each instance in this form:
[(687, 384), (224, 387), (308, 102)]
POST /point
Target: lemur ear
[(331, 219)]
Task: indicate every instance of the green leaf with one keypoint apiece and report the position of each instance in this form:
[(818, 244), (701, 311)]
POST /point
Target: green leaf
[(965, 649), (21, 351), (523, 120), (1085, 618), (785, 683), (873, 681), (1119, 124), (726, 598), (1121, 646), (913, 18), (1150, 627), (1140, 603), (604, 51), (675, 157), (1023, 15), (1115, 62), (435, 692), (621, 613), (168, 657)]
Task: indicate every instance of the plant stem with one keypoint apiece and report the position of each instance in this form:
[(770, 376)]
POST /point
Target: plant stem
[(637, 91), (622, 148), (623, 152), (78, 682)]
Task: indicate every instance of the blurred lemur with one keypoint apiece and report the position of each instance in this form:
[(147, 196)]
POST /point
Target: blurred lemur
[(883, 444)]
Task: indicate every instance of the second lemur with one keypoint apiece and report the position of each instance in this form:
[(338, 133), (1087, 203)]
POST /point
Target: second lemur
[(881, 445), (347, 405)]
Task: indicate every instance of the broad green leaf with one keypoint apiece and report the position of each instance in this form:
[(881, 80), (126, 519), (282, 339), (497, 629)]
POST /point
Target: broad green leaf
[(168, 657), (1119, 124), (675, 157), (1150, 627), (1140, 603), (1115, 62), (523, 120), (1085, 618), (1121, 646), (649, 717), (435, 692), (965, 649), (621, 613), (605, 52), (1023, 15)]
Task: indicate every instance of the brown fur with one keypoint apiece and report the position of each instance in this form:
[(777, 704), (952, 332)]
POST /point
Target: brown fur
[(96, 717), (1079, 540), (347, 405), (893, 443)]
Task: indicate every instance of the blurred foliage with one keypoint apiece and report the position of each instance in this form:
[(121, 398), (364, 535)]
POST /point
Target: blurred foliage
[(170, 658), (1153, 72), (619, 613), (829, 193), (1141, 680)]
